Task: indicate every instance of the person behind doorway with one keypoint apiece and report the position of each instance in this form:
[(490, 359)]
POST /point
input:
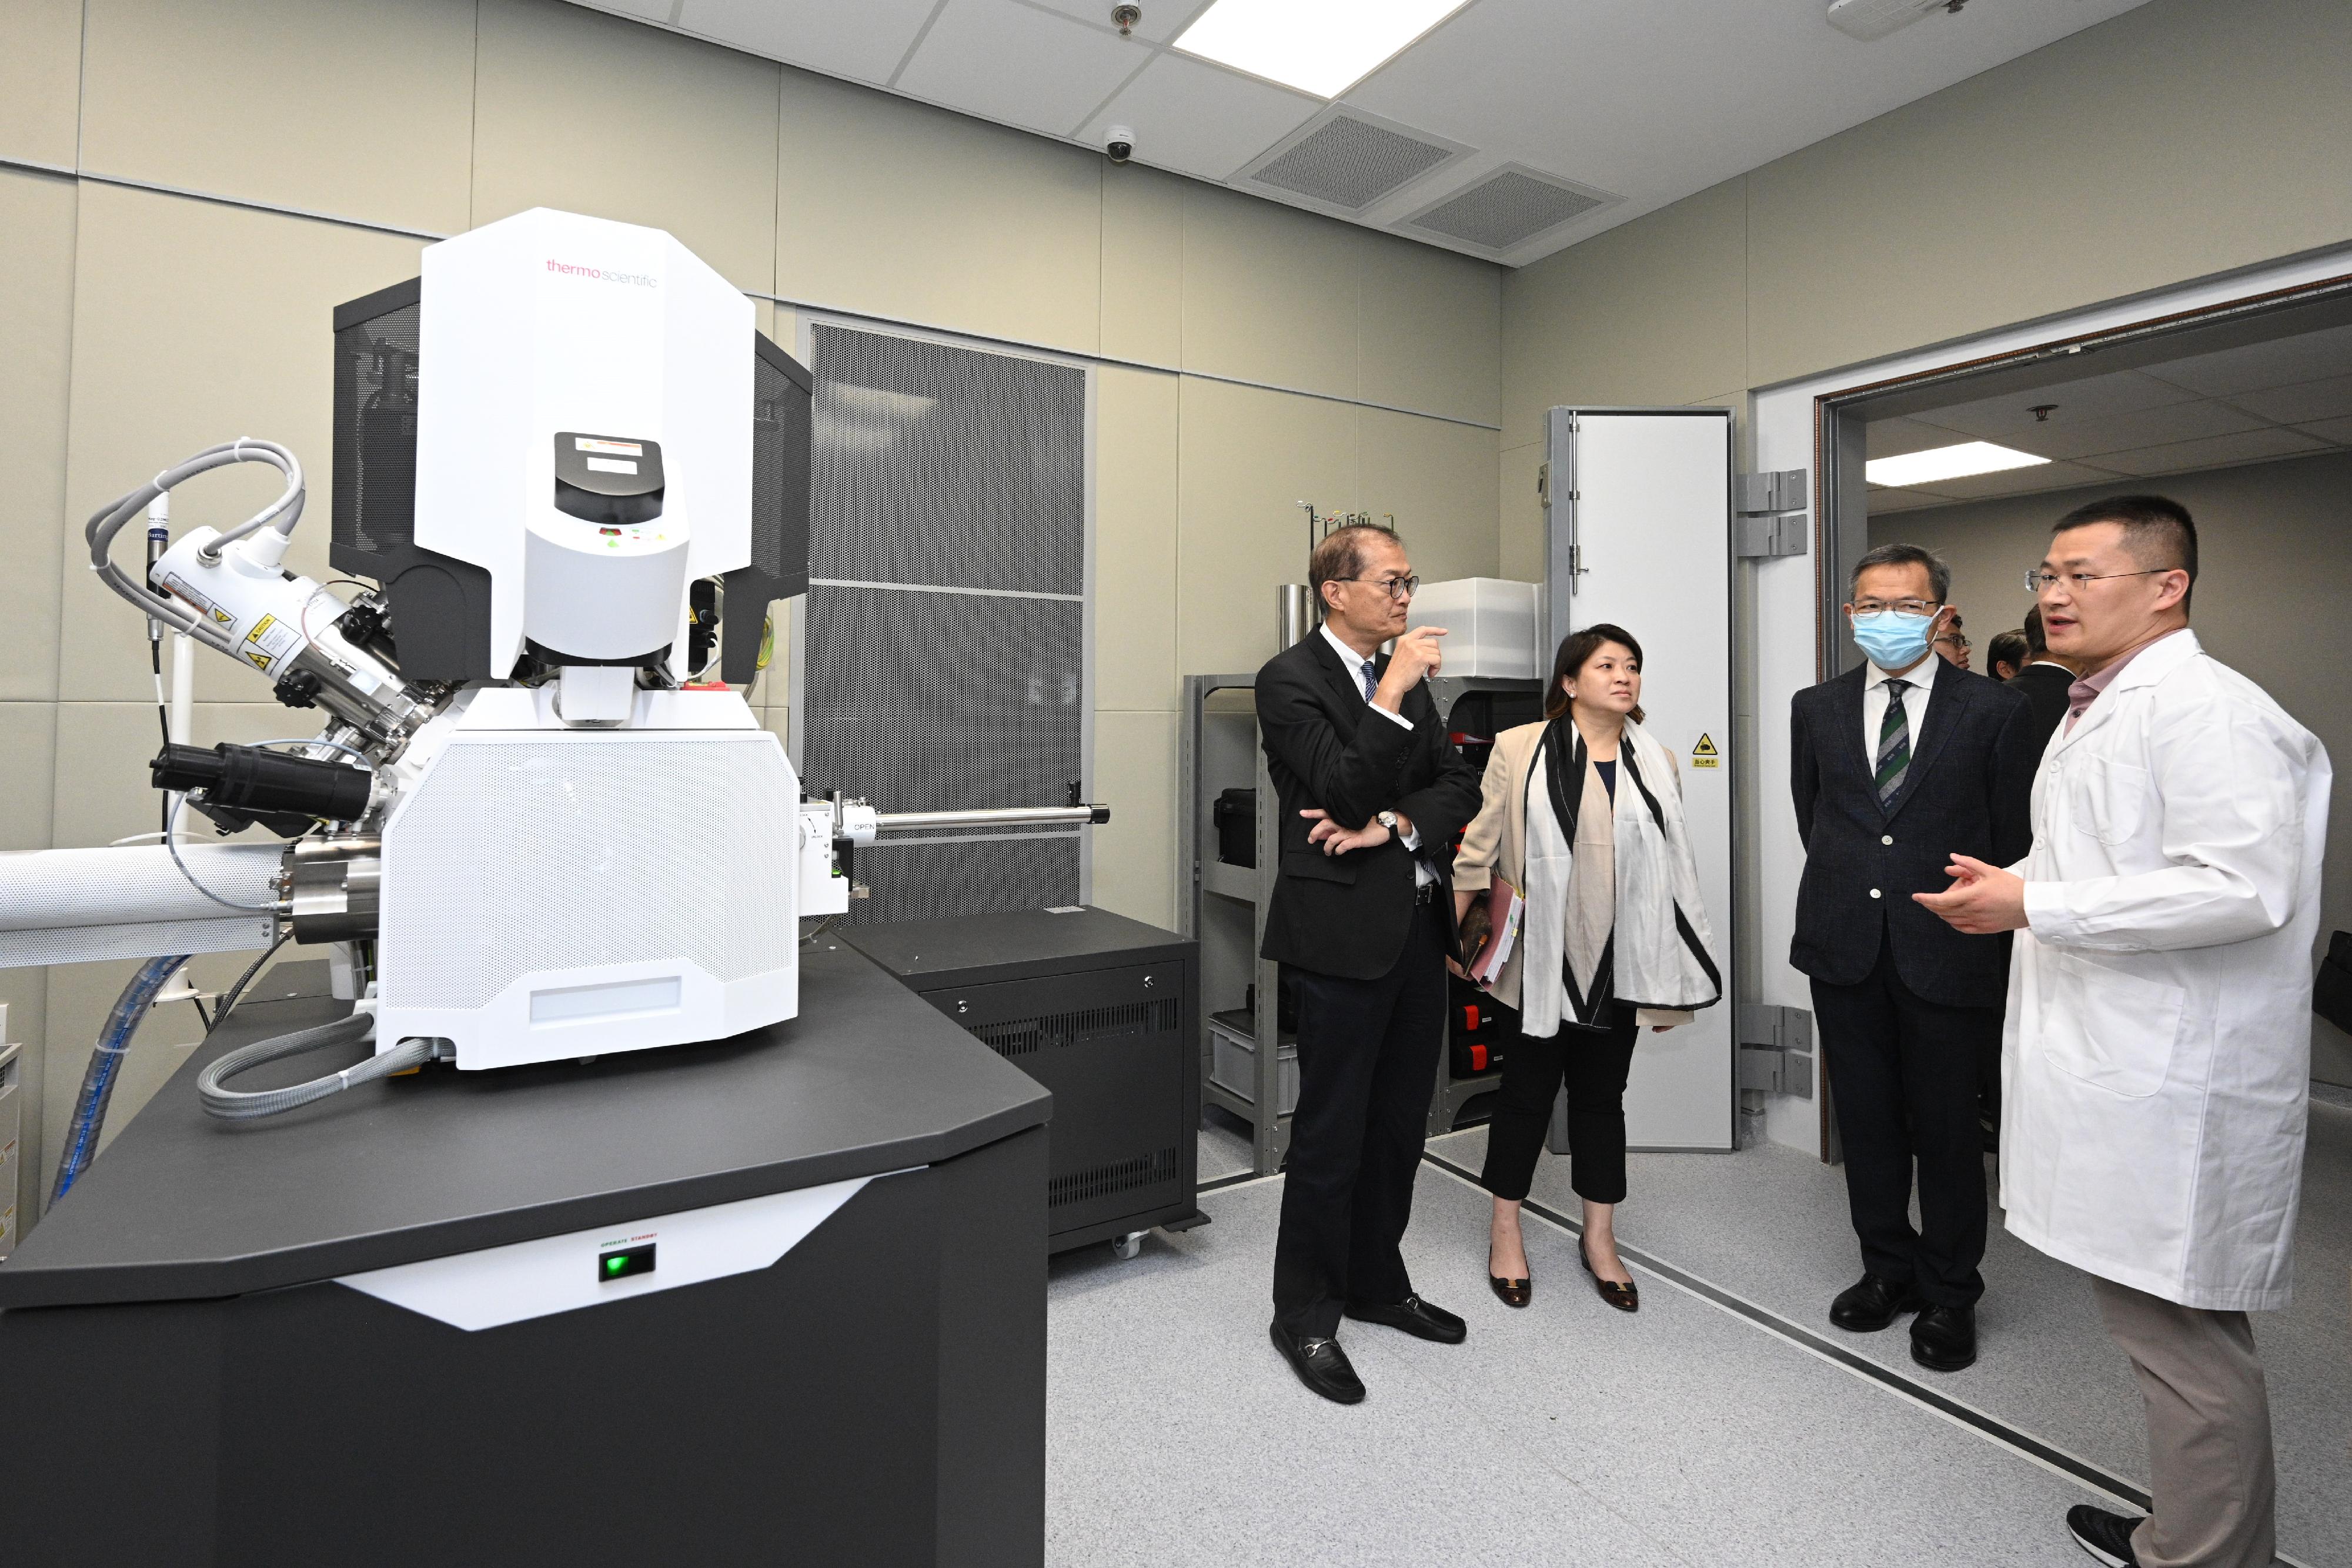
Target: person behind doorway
[(1899, 764), (1372, 794), (2005, 655), (1582, 816), (2158, 1032), (2045, 680), (1952, 644)]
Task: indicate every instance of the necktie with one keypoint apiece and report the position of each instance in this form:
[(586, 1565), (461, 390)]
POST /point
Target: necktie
[(1894, 743), (1371, 682)]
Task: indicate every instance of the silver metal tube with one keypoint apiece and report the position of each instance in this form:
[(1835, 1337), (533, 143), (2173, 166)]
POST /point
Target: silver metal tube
[(997, 817)]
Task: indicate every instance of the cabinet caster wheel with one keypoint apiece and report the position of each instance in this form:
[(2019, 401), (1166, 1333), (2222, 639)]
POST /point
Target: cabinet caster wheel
[(1127, 1246)]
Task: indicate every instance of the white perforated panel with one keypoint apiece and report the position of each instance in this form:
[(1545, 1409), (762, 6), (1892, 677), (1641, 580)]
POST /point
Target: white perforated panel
[(518, 856)]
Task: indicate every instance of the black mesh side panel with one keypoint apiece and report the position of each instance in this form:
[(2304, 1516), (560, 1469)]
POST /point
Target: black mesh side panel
[(941, 465), (781, 418), (375, 509)]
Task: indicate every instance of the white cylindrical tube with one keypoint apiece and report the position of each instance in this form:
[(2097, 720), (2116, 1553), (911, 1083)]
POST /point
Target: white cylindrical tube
[(183, 686), (132, 884)]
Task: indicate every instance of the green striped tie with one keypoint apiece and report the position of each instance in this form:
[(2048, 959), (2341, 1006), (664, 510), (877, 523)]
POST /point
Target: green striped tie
[(1894, 744)]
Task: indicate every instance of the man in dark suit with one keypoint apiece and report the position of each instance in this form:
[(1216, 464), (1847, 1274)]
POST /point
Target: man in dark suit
[(2045, 683), (1897, 764), (1372, 795)]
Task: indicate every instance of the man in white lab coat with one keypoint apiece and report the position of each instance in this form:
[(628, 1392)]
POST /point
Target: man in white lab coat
[(2159, 1037)]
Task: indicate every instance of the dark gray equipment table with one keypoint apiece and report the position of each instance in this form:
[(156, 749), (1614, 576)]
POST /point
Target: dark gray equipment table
[(1105, 1012), (192, 1383)]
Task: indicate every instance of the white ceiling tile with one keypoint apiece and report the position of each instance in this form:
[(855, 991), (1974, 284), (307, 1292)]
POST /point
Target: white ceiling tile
[(2127, 432), (1015, 64), (1163, 19), (1201, 119), (2306, 357), (864, 41), (2305, 404), (2069, 402), (2021, 481), (642, 10), (2337, 431), (2216, 452), (1899, 437)]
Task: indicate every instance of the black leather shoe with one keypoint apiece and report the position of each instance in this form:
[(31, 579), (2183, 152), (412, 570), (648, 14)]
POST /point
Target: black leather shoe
[(1510, 1292), (1870, 1303), (1624, 1298), (1944, 1339), (1320, 1363), (2105, 1536), (1416, 1317)]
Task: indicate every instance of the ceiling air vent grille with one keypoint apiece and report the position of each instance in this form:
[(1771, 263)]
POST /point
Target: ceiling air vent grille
[(1508, 208), (1350, 160)]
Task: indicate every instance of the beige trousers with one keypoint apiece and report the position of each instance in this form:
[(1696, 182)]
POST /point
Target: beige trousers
[(2208, 1432)]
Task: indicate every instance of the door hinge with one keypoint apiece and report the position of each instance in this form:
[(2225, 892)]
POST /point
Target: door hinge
[(1576, 561), (1543, 482), (1754, 538), (1776, 1050), (1767, 494)]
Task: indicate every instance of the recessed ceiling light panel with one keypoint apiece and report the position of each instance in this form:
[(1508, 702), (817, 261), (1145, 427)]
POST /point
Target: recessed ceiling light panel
[(1322, 47), (1948, 463)]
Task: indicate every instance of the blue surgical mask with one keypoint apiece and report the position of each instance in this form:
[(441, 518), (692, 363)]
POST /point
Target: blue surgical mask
[(1893, 640)]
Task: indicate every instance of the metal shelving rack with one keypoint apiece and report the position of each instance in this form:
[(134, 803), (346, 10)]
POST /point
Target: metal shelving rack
[(1220, 750)]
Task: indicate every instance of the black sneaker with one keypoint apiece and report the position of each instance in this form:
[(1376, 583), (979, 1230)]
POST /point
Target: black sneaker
[(2105, 1536)]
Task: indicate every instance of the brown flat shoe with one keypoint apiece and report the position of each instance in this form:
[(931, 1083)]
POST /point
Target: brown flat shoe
[(1624, 1298), (1510, 1292)]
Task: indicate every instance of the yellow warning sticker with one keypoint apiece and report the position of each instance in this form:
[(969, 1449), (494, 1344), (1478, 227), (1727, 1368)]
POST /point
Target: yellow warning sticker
[(264, 624), (1704, 755), (260, 661), (222, 616)]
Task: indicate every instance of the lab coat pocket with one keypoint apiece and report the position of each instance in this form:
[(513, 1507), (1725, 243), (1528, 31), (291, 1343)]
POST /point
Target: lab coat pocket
[(2106, 1027), (2107, 799)]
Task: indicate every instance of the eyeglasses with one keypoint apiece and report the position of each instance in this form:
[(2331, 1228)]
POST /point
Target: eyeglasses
[(1900, 606), (1397, 587), (1957, 640), (2038, 581)]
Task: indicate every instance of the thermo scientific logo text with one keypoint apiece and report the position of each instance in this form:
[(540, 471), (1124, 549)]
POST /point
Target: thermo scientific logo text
[(642, 279)]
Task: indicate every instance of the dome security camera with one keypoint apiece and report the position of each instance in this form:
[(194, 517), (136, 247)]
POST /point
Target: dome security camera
[(1119, 143)]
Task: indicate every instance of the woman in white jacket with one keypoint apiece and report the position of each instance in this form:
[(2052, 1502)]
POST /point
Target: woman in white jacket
[(1583, 819)]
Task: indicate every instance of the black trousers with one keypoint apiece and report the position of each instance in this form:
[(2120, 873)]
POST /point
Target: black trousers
[(1368, 1053), (1904, 1074), (1593, 1063)]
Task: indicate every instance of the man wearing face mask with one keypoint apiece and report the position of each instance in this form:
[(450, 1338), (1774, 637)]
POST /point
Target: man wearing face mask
[(1897, 763)]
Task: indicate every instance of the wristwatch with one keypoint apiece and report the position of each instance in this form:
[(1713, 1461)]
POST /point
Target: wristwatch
[(1387, 819)]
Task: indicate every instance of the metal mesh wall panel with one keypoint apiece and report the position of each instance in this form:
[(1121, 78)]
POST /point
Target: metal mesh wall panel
[(941, 881), (943, 465)]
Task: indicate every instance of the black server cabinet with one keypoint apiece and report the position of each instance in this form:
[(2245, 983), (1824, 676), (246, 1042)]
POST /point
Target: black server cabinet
[(1104, 1013)]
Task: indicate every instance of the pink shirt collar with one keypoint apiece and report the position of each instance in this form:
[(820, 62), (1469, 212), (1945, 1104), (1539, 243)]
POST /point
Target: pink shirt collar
[(2086, 691)]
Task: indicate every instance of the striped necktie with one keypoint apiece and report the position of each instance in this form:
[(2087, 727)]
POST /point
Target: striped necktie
[(1894, 744), (1371, 681)]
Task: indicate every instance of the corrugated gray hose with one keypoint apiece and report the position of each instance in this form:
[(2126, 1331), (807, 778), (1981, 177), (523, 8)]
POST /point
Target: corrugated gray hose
[(237, 1106)]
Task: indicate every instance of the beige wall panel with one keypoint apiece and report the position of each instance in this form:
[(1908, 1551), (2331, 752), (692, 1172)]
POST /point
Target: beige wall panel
[(1431, 331), (1652, 312), (250, 310), (1438, 480), (592, 114), (906, 211), (1523, 514), (2178, 139), (1270, 292), (40, 79), (2270, 561), (27, 774), (37, 258), (1248, 458), (366, 111), (1135, 852), (102, 791), (1142, 265), (1135, 539)]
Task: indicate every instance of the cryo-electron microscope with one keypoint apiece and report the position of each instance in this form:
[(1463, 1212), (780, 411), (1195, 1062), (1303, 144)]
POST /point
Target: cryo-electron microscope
[(538, 823)]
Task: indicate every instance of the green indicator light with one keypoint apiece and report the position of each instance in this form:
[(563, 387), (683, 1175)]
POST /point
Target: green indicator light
[(615, 1265)]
